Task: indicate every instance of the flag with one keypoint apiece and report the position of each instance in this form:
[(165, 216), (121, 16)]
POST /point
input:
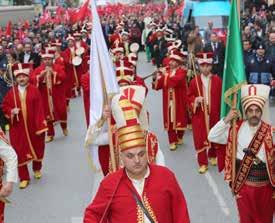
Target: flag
[(9, 29), (20, 34), (166, 7), (45, 18), (26, 24), (83, 11), (103, 82), (179, 9), (234, 74)]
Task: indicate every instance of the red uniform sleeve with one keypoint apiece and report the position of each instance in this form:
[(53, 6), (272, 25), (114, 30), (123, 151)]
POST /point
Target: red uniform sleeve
[(34, 77), (178, 80), (59, 75), (158, 83), (191, 95), (180, 210), (96, 209), (66, 56)]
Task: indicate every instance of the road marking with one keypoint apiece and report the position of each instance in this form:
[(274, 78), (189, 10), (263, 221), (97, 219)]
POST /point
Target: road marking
[(76, 220), (216, 192)]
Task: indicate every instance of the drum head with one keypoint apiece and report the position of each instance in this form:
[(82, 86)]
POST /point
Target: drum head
[(77, 61), (134, 47)]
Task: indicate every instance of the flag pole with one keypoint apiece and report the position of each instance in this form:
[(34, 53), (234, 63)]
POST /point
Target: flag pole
[(108, 100), (239, 11), (234, 141), (111, 145), (234, 121)]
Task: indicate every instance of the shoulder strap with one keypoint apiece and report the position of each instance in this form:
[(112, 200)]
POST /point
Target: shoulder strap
[(143, 208)]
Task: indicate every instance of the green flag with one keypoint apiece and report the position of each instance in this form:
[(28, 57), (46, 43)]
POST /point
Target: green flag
[(234, 74)]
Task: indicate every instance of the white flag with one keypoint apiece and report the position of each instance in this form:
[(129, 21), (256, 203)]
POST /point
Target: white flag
[(103, 81)]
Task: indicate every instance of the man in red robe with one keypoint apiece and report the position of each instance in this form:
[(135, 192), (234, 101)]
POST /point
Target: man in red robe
[(49, 78), (72, 71), (172, 81), (253, 157), (139, 192), (205, 101), (23, 107)]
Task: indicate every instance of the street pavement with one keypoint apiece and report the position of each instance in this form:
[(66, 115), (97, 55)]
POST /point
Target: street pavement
[(66, 186)]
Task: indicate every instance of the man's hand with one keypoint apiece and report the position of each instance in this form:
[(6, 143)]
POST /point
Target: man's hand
[(43, 73), (233, 114), (6, 189), (15, 111), (198, 100), (107, 112), (273, 83)]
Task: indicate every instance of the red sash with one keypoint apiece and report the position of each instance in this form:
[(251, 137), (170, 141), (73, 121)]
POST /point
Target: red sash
[(247, 161)]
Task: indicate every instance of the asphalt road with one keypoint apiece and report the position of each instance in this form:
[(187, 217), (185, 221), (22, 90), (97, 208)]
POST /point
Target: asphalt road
[(66, 186)]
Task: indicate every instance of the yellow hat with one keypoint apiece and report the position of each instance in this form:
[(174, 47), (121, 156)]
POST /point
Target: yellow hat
[(129, 131)]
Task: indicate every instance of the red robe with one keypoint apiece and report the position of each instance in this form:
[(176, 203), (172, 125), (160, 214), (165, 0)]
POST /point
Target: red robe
[(174, 87), (27, 133), (200, 132), (113, 38), (82, 68), (165, 62), (54, 100), (162, 197), (73, 73), (85, 83)]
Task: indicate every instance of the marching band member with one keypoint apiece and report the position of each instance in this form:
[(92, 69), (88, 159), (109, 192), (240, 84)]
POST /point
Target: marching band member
[(172, 81), (23, 107), (49, 78), (205, 102)]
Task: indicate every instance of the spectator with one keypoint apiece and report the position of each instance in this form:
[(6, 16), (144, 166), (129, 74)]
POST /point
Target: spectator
[(208, 32), (270, 52), (218, 50), (194, 41), (3, 57), (28, 56), (260, 69), (247, 50)]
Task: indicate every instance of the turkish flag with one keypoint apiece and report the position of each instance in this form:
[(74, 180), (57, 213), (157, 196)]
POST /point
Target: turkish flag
[(179, 9), (83, 11), (26, 24), (20, 34), (9, 28)]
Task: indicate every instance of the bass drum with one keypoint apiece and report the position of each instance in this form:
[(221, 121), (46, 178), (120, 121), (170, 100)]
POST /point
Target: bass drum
[(77, 61), (134, 47)]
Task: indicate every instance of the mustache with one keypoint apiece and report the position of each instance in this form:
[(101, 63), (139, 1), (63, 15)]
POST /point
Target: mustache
[(255, 117)]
